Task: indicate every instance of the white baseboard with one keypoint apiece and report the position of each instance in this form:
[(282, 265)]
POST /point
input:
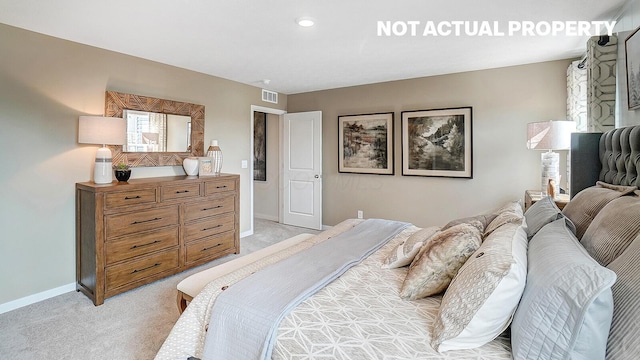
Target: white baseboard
[(266, 217), (32, 299), (246, 233)]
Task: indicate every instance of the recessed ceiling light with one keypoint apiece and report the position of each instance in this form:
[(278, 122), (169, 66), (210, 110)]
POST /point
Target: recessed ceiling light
[(305, 21)]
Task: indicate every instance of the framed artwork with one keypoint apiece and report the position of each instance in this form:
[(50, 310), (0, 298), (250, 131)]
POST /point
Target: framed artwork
[(632, 55), (365, 144), (260, 146), (437, 143), (205, 166)]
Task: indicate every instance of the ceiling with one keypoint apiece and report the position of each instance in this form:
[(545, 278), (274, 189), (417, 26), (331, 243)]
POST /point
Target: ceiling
[(252, 40)]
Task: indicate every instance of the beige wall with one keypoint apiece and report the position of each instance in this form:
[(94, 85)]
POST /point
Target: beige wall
[(503, 100), (266, 193), (45, 84)]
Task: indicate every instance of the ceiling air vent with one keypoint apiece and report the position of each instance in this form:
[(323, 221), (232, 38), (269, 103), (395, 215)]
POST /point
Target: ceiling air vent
[(269, 96)]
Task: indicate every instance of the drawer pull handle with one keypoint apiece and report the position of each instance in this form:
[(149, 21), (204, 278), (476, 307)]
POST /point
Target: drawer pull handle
[(215, 207), (211, 228), (147, 268), (132, 197), (139, 246), (182, 191), (221, 187), (144, 221), (211, 247)]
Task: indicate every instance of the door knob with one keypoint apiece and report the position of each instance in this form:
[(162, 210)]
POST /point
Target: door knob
[(317, 176)]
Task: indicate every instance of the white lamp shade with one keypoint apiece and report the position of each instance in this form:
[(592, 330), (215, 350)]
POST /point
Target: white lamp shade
[(550, 135), (102, 130)]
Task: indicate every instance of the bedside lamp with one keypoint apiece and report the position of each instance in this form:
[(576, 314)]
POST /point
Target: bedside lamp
[(550, 135), (104, 131)]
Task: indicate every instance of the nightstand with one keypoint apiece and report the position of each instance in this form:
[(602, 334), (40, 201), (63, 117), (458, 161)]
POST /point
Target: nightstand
[(531, 196)]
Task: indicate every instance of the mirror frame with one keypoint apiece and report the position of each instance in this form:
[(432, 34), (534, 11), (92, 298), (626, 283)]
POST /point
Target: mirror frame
[(116, 102)]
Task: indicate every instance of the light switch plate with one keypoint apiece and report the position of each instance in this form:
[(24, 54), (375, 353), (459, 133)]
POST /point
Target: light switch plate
[(245, 164)]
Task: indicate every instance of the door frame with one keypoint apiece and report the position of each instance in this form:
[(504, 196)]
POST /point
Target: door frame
[(278, 112)]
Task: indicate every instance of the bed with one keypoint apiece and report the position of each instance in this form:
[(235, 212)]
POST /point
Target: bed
[(504, 284)]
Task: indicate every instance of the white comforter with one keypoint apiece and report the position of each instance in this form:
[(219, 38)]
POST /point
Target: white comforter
[(357, 316)]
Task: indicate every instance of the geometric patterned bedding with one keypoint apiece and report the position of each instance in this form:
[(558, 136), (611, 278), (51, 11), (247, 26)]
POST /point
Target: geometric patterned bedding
[(358, 316)]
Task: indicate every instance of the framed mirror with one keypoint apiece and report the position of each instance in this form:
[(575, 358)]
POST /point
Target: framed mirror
[(115, 105)]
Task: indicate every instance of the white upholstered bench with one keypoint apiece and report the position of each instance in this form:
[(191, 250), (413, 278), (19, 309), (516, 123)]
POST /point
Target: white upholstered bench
[(192, 285)]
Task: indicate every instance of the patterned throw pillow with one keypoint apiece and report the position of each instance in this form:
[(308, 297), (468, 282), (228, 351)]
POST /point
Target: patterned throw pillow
[(482, 298), (414, 239), (485, 219), (586, 204), (439, 260), (509, 213)]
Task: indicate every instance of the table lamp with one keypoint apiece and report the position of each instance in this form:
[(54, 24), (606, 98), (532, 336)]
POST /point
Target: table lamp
[(550, 135), (104, 131)]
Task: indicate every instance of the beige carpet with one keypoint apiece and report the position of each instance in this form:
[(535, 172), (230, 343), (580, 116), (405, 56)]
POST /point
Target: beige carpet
[(132, 325)]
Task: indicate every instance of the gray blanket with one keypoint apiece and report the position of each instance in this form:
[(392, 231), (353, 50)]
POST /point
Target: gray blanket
[(245, 317)]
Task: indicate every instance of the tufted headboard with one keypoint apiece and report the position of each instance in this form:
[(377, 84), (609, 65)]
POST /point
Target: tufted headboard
[(612, 157), (620, 156)]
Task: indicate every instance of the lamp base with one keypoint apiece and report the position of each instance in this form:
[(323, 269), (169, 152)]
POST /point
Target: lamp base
[(550, 170), (103, 171)]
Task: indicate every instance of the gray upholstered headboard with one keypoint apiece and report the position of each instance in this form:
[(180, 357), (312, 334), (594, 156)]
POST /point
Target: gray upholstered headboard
[(612, 157), (620, 156)]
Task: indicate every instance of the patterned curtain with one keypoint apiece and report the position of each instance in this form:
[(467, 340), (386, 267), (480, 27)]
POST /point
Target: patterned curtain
[(601, 84), (577, 95), (158, 125)]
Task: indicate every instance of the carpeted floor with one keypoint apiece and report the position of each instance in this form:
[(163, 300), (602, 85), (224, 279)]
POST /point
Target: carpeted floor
[(132, 325)]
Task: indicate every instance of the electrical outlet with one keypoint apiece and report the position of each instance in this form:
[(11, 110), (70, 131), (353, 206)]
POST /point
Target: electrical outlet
[(360, 214)]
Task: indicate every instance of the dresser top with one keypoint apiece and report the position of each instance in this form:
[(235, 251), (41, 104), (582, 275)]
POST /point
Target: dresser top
[(152, 181)]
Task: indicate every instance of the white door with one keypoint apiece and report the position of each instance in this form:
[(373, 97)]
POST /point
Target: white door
[(302, 169)]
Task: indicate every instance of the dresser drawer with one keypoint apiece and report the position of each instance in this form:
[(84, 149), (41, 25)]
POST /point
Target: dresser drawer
[(179, 191), (209, 247), (214, 187), (140, 244), (201, 209), (208, 227), (129, 223), (122, 274), (128, 198)]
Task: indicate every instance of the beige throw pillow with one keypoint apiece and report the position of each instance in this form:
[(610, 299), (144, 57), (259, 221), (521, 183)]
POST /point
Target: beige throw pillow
[(613, 229), (439, 261), (414, 239), (586, 204)]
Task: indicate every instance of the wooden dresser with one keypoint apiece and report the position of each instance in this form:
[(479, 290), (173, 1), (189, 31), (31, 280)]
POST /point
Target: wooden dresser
[(130, 234)]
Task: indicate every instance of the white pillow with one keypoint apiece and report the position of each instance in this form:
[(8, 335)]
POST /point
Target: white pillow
[(566, 308), (414, 239), (481, 300)]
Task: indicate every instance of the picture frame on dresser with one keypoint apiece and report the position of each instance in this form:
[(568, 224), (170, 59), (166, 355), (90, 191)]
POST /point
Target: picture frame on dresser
[(205, 166), (365, 144), (437, 142)]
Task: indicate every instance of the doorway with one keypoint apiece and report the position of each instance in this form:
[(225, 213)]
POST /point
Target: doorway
[(265, 194)]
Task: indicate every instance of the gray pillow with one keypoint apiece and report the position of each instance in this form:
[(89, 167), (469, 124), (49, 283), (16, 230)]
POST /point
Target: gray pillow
[(543, 212), (566, 309), (613, 229), (624, 342), (584, 207)]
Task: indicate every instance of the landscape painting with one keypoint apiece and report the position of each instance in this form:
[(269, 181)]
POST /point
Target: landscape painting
[(632, 55), (365, 144), (437, 143)]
